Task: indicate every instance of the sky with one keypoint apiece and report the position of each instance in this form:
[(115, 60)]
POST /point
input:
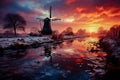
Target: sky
[(85, 14)]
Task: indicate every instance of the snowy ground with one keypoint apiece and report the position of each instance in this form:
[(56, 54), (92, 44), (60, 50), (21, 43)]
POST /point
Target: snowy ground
[(7, 42)]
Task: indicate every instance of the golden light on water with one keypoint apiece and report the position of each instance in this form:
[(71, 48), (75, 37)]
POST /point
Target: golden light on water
[(91, 39), (68, 50)]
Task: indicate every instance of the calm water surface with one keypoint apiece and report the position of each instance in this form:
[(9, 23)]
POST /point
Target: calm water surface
[(77, 59)]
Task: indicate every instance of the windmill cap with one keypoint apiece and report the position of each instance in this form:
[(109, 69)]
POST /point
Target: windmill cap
[(47, 19)]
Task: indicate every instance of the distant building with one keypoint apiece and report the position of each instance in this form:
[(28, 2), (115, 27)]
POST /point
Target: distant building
[(47, 27)]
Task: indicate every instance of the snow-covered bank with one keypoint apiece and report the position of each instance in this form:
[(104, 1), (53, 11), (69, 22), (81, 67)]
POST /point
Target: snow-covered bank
[(22, 41), (72, 37), (26, 42)]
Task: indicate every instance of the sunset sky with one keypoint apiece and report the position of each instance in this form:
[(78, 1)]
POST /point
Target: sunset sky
[(85, 14)]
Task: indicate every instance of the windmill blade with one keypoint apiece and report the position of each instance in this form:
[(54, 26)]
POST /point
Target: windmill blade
[(55, 19), (50, 12), (40, 19)]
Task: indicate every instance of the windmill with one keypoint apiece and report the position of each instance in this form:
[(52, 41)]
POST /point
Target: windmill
[(46, 30)]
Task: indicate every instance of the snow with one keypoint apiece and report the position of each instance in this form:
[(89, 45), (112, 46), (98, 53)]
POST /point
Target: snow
[(26, 41), (111, 42), (70, 37), (7, 42)]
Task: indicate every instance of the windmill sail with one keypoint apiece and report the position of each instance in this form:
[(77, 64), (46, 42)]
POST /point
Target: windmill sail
[(50, 12)]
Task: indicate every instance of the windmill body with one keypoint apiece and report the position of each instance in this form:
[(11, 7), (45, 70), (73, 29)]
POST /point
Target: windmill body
[(47, 27)]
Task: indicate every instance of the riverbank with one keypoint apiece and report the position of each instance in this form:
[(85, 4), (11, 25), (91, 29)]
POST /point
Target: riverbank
[(26, 42), (22, 42)]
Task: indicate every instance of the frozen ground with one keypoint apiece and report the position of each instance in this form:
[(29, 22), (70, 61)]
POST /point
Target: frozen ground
[(7, 42), (27, 41)]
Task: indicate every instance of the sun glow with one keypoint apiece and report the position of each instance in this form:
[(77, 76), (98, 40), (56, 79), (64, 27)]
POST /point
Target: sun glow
[(91, 29)]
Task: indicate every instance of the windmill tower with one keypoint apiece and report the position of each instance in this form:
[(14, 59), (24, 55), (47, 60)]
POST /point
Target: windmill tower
[(47, 30)]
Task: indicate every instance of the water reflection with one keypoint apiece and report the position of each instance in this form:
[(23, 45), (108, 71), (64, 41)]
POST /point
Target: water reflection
[(71, 60), (47, 50)]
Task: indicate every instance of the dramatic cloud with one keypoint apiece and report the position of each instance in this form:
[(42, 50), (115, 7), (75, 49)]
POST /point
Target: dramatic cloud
[(74, 13), (13, 6)]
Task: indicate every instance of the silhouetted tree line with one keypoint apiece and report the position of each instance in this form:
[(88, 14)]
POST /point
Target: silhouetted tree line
[(114, 32), (111, 38)]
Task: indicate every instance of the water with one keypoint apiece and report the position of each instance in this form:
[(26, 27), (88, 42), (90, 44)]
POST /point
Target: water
[(77, 59)]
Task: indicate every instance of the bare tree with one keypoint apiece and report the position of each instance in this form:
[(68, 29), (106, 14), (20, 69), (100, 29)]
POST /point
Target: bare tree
[(14, 21)]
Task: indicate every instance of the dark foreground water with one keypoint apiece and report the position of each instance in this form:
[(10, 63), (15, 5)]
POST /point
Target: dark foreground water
[(68, 60)]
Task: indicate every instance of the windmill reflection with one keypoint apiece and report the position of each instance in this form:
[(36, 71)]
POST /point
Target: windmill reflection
[(47, 51)]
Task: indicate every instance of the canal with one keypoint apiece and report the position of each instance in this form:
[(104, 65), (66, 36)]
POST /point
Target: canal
[(77, 59)]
